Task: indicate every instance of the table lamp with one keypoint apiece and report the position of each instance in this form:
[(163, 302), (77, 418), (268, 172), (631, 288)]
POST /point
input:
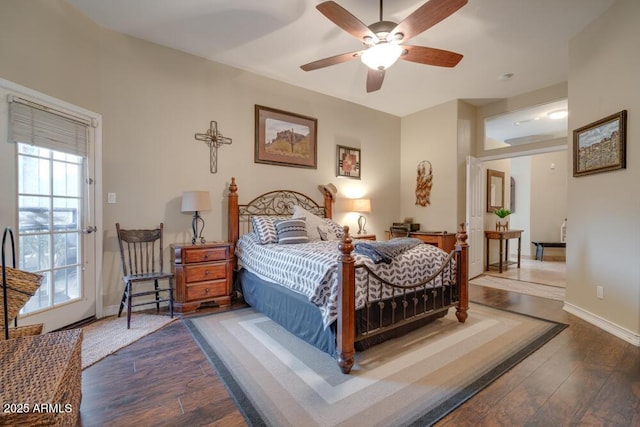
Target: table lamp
[(361, 206), (196, 202)]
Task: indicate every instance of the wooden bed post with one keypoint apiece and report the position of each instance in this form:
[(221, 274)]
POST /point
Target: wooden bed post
[(346, 304), (233, 217), (328, 204), (463, 274)]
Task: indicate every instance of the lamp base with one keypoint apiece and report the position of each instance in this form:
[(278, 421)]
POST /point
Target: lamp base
[(194, 226), (362, 221)]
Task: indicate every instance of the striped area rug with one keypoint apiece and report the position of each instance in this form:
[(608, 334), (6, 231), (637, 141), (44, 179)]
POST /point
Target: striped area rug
[(277, 380)]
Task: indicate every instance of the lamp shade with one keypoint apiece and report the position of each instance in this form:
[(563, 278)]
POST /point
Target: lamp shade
[(361, 205), (195, 201)]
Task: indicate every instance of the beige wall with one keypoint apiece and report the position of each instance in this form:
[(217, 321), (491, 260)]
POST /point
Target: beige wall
[(603, 209), (432, 135), (154, 99), (466, 141)]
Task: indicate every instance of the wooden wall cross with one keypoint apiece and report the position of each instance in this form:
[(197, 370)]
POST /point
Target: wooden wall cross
[(214, 139)]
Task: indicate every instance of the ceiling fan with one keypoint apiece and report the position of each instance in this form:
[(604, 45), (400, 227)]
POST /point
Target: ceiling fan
[(383, 39)]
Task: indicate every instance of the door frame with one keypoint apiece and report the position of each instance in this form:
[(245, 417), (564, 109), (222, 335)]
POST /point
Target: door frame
[(475, 216), (96, 120)]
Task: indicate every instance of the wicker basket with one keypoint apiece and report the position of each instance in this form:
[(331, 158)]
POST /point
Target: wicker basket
[(43, 374), (21, 285), (23, 331)]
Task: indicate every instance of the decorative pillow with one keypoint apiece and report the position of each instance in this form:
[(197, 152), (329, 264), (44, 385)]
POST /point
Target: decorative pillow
[(335, 227), (264, 226), (313, 221), (292, 230), (327, 233)]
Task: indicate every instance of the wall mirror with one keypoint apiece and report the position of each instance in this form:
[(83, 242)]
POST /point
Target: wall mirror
[(495, 190)]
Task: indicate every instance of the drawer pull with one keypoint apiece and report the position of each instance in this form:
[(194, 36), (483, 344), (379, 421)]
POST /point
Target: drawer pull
[(206, 256), (206, 272), (206, 291)]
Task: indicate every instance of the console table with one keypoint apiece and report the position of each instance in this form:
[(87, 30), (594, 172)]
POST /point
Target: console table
[(502, 236)]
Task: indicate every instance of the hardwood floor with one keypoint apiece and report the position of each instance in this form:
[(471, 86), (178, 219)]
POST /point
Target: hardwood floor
[(584, 376), (161, 380)]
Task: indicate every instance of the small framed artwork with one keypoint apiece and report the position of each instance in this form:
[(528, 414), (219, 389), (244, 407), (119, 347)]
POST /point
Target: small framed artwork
[(348, 162), (285, 139), (601, 146)]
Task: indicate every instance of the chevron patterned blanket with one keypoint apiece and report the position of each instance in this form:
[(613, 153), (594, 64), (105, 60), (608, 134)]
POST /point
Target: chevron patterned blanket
[(312, 270)]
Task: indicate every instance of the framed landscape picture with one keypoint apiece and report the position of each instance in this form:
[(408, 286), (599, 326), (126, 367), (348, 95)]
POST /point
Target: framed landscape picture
[(285, 139), (348, 162), (601, 146)]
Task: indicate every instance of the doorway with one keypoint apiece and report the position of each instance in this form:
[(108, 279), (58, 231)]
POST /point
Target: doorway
[(49, 154), (539, 205)]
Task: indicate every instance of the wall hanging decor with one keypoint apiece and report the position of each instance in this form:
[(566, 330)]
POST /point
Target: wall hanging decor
[(285, 139), (424, 182), (214, 139), (601, 146), (348, 163)]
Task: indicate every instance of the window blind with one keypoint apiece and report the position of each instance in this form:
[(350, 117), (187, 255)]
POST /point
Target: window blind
[(38, 125)]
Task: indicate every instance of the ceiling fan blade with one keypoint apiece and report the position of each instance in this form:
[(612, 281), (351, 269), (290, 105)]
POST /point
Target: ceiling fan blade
[(332, 60), (345, 20), (374, 79), (431, 56), (426, 16)]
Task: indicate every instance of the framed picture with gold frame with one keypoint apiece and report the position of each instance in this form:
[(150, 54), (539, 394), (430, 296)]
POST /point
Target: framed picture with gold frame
[(348, 162), (601, 146)]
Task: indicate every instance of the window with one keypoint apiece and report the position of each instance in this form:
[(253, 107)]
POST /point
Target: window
[(51, 165)]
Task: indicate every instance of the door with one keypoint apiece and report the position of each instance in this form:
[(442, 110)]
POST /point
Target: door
[(52, 155), (475, 216)]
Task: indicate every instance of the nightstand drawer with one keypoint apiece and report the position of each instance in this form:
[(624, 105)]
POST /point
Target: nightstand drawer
[(206, 290), (193, 255), (199, 273)]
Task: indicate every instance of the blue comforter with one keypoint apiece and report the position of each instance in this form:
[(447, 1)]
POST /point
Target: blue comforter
[(385, 251)]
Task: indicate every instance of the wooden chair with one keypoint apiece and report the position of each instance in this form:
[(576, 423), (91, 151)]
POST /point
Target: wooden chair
[(141, 259)]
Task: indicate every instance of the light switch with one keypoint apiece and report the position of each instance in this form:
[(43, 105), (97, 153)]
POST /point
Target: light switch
[(111, 197)]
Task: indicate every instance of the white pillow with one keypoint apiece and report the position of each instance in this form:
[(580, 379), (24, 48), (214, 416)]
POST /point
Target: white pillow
[(313, 222)]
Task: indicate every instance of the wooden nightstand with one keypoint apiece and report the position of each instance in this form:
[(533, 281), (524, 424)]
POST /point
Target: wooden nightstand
[(203, 273), (364, 236)]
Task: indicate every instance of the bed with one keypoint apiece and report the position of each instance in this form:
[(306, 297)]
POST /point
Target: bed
[(333, 292)]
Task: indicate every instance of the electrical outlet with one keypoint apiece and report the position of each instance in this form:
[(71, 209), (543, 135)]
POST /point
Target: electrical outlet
[(111, 197), (600, 292)]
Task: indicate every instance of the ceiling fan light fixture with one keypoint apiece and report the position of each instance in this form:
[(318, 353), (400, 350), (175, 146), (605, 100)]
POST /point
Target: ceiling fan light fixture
[(381, 56)]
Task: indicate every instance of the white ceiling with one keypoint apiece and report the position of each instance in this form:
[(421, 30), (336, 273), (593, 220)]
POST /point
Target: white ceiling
[(528, 38)]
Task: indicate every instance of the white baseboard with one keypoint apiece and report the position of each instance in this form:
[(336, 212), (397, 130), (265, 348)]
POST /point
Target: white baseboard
[(603, 324)]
